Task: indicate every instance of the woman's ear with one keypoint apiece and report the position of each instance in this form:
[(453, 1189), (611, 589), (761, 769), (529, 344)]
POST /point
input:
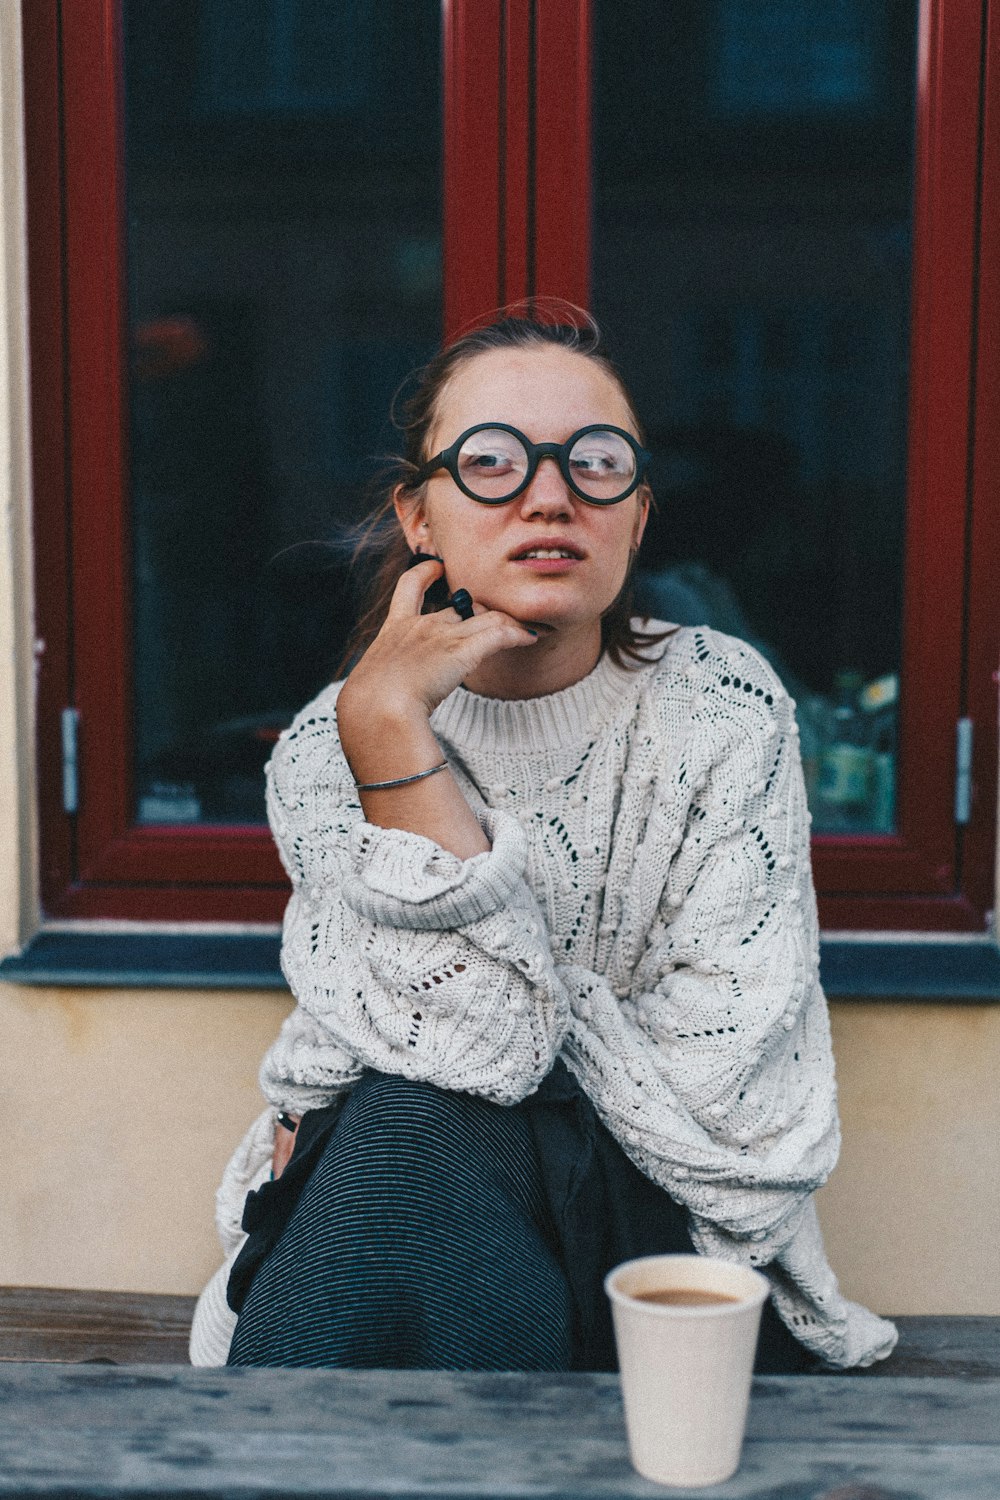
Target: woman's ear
[(642, 516), (413, 519)]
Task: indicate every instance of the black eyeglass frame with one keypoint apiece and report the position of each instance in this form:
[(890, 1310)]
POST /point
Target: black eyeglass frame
[(448, 459)]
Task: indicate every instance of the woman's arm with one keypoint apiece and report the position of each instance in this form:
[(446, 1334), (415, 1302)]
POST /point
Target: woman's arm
[(403, 956), (397, 939), (715, 1069)]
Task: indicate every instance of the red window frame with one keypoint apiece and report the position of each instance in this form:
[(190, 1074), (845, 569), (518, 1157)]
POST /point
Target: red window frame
[(517, 149)]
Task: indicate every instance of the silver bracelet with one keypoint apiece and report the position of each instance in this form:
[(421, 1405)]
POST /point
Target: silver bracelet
[(378, 786)]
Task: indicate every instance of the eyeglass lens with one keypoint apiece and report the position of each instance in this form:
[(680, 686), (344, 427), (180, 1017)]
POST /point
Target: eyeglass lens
[(493, 464)]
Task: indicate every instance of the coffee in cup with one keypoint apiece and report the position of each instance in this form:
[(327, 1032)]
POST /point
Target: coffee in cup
[(686, 1330)]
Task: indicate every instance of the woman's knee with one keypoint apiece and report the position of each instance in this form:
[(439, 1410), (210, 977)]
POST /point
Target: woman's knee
[(401, 1115), (391, 1092), (407, 1145), (419, 1117)]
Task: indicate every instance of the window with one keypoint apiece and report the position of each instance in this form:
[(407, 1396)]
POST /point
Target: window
[(752, 238), (258, 218)]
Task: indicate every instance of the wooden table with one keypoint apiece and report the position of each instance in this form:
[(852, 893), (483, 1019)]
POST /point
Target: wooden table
[(76, 1431), (149, 1328)]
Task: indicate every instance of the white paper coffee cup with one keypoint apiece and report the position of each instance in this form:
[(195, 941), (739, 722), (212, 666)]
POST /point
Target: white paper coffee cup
[(685, 1370)]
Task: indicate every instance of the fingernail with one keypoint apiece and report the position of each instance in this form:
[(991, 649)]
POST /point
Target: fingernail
[(530, 631)]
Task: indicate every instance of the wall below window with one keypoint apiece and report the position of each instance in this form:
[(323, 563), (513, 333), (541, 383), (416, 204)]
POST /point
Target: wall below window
[(910, 1215), (123, 1106)]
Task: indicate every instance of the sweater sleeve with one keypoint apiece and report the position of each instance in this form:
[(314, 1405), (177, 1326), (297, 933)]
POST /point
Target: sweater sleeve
[(713, 1066), (411, 960)]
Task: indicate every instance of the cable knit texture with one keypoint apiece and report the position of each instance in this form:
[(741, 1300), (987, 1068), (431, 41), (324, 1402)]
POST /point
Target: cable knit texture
[(646, 909)]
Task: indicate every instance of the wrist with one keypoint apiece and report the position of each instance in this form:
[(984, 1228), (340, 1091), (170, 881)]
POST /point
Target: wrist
[(387, 743), (363, 717)]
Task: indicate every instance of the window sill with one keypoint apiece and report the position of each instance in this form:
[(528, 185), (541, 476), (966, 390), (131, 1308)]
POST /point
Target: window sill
[(191, 960), (897, 969)]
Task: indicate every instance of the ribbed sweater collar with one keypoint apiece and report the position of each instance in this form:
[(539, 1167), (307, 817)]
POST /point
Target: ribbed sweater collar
[(552, 722)]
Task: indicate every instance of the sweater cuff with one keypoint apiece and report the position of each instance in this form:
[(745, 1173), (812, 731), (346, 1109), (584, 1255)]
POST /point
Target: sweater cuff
[(401, 879), (214, 1323), (247, 1168)]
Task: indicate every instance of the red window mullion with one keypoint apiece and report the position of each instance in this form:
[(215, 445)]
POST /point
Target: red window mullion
[(563, 87), (517, 153), (96, 361), (472, 174)]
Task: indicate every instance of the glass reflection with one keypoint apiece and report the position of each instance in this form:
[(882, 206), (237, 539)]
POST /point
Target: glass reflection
[(753, 186), (283, 164)]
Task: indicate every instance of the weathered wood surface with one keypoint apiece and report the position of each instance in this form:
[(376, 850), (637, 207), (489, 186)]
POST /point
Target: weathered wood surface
[(961, 1347), (50, 1323), (128, 1328), (93, 1433)]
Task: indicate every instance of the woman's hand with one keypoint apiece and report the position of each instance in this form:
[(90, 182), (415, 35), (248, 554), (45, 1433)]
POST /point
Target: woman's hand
[(284, 1142), (384, 709), (416, 660)]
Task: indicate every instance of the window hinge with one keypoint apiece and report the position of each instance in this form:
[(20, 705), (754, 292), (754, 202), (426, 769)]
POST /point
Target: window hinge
[(70, 759), (963, 771)]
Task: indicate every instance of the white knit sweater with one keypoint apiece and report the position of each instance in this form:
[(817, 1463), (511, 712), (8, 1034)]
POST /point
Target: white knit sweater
[(646, 910)]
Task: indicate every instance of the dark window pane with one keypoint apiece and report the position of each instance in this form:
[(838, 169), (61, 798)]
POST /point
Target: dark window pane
[(283, 191), (753, 166)]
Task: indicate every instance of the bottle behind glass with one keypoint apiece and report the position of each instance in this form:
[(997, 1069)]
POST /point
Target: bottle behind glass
[(846, 763)]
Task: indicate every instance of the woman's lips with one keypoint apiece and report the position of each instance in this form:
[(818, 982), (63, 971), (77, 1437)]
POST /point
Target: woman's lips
[(547, 564)]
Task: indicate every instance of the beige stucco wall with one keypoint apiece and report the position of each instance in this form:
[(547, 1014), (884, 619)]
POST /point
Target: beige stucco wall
[(118, 1108), (912, 1213)]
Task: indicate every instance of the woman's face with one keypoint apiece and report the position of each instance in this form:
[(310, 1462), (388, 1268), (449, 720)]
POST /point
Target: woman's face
[(548, 393)]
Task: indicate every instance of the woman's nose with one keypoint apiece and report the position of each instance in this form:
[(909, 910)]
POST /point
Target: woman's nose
[(548, 493)]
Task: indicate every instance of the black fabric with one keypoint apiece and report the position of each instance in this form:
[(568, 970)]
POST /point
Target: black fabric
[(268, 1210), (606, 1211), (510, 1220), (421, 1240)]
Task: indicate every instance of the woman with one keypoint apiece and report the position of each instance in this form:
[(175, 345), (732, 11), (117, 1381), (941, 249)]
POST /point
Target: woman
[(552, 933)]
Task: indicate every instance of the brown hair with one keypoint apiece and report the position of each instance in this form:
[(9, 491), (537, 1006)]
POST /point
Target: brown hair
[(382, 541)]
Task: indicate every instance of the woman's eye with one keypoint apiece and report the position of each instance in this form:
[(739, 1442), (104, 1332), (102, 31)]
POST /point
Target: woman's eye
[(595, 463), (491, 461)]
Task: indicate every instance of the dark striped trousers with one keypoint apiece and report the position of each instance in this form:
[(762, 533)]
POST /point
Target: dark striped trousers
[(437, 1230)]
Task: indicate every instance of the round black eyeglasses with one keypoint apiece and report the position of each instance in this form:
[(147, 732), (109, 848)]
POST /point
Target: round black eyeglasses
[(493, 463)]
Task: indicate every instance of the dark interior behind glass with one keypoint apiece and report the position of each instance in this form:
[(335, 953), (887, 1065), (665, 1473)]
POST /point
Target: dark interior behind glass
[(752, 204), (284, 268), (752, 253)]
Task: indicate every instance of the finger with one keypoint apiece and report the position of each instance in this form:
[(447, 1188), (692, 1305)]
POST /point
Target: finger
[(484, 615), (408, 595), (492, 630)]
